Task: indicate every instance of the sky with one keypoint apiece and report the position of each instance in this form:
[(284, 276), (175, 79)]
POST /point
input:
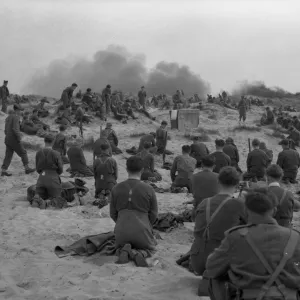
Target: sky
[(224, 41)]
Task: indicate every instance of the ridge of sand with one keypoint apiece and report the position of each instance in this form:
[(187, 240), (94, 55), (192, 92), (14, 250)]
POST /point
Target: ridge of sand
[(31, 270)]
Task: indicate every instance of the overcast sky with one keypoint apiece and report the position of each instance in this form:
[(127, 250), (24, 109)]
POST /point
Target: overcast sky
[(224, 41)]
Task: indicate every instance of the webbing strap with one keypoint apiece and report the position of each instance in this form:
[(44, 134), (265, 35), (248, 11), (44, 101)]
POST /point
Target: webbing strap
[(209, 218), (287, 254), (282, 197)]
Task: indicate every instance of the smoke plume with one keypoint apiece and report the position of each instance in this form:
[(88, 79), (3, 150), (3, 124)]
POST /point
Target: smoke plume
[(119, 68), (259, 89)]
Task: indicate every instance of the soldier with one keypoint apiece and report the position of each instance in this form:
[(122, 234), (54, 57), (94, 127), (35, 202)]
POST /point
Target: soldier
[(127, 108), (289, 161), (257, 162), (133, 207), (88, 98), (142, 95), (111, 136), (4, 93), (221, 159), (77, 160), (105, 172), (184, 165), (263, 147), (13, 142), (258, 260), (269, 117), (242, 106), (286, 204), (49, 166), (60, 144), (67, 95), (161, 138), (106, 94), (42, 112), (198, 151), (35, 119), (232, 151), (119, 114), (98, 146), (294, 135), (150, 138), (214, 216)]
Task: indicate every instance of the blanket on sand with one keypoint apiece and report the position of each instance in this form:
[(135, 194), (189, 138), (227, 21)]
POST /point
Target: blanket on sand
[(103, 243)]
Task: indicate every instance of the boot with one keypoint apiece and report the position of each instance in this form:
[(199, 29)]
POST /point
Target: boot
[(29, 170), (5, 173)]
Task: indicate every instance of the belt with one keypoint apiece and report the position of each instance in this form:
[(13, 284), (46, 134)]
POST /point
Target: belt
[(272, 292)]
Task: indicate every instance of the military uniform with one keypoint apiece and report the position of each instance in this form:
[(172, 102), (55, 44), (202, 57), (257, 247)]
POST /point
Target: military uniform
[(148, 165), (242, 110), (97, 146), (106, 93), (150, 139), (4, 93), (111, 136), (232, 151), (105, 174), (184, 165), (161, 140), (13, 141), (49, 165), (257, 162), (60, 145), (263, 243), (66, 97), (289, 161), (198, 151), (142, 98), (221, 160), (295, 136)]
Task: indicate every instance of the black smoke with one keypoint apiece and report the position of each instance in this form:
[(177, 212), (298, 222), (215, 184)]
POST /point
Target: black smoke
[(119, 68)]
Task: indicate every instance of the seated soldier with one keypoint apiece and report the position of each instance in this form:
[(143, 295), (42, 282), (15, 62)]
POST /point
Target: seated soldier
[(205, 183), (49, 166), (289, 161), (184, 165), (119, 115), (257, 162), (148, 162), (100, 110), (127, 108), (88, 98), (258, 260), (294, 135), (64, 118), (286, 204), (97, 146), (221, 159), (77, 160), (214, 216), (81, 117), (42, 111), (60, 144), (133, 207), (35, 119), (105, 172), (150, 138), (232, 151), (28, 127), (109, 134), (198, 151), (263, 147)]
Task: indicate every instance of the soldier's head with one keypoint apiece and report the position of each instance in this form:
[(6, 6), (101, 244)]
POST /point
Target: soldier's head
[(219, 144), (142, 88), (284, 144), (108, 125), (48, 140), (262, 146), (147, 145), (195, 139), (228, 179), (35, 112), (186, 149), (267, 108), (255, 143), (164, 124), (134, 166), (208, 162), (274, 173), (74, 86), (260, 202), (108, 86), (229, 141), (153, 133), (104, 148), (17, 109), (5, 82), (62, 128), (89, 90)]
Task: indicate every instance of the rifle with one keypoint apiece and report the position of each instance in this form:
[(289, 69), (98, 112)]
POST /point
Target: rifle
[(80, 128), (249, 145)]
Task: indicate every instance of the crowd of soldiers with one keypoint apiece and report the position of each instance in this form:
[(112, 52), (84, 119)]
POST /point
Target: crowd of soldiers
[(243, 249)]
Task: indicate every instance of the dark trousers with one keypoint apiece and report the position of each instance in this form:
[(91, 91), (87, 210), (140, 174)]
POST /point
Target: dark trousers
[(183, 182), (48, 186), (11, 148), (4, 105)]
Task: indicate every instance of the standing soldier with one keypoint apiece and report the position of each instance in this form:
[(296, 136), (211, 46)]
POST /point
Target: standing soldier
[(4, 93), (161, 138), (13, 142), (242, 106), (106, 94), (67, 95), (142, 97)]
